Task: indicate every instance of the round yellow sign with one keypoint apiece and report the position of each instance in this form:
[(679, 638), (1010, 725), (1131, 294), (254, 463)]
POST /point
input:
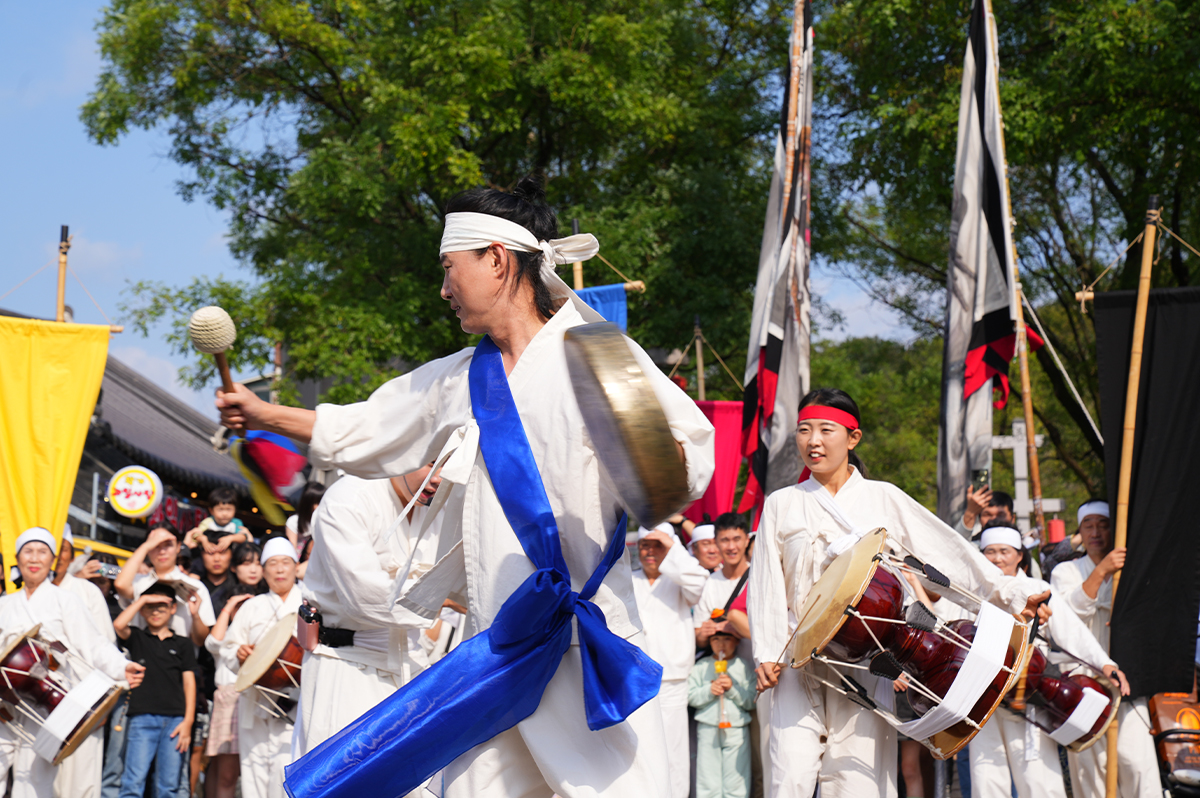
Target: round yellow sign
[(135, 491)]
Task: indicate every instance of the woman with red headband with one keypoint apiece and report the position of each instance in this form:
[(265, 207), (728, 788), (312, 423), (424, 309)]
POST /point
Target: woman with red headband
[(816, 734)]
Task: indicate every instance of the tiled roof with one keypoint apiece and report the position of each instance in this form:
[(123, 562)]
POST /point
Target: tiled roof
[(161, 432)]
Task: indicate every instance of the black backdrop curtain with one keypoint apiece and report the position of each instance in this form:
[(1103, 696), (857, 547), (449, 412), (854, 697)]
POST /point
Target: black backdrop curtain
[(1154, 620)]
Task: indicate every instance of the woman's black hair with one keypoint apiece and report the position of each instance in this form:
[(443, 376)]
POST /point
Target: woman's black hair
[(838, 400), (309, 499), (243, 553), (1026, 557), (525, 205)]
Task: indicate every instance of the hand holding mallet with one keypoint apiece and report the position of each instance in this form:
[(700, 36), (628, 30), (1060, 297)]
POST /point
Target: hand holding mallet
[(213, 333)]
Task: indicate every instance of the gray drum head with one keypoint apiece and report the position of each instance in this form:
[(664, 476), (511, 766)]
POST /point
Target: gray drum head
[(626, 423)]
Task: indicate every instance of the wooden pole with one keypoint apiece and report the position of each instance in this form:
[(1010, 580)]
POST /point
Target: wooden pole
[(1035, 473), (699, 361), (1125, 475), (64, 243), (577, 268)]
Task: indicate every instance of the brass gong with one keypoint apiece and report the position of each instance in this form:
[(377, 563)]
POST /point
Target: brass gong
[(626, 423)]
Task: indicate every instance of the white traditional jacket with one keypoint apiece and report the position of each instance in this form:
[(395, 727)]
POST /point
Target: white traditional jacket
[(413, 419), (63, 618), (665, 608), (796, 530), (93, 599), (1067, 580), (254, 619)]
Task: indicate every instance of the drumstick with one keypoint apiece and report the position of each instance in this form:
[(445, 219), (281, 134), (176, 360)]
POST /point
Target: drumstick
[(1018, 702), (213, 332)]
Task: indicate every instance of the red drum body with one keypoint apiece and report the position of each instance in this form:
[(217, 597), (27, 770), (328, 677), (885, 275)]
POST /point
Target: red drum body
[(279, 676), (26, 674), (1057, 696), (932, 658)]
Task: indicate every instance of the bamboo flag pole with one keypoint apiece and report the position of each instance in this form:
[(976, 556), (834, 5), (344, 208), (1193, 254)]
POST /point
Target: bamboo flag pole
[(1125, 475), (64, 244), (699, 361)]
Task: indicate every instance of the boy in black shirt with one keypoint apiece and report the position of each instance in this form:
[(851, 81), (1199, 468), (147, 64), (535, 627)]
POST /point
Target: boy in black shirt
[(162, 708)]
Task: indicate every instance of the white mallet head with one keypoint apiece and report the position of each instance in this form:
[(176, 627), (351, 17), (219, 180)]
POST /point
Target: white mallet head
[(212, 330)]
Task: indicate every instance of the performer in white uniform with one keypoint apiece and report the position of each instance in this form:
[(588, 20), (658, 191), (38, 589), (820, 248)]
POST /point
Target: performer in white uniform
[(498, 257), (1085, 585), (361, 547), (79, 774), (666, 589), (63, 618), (816, 734), (1009, 749), (264, 741)]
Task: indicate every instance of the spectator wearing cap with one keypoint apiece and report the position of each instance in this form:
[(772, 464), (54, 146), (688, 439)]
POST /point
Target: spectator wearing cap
[(665, 590), (704, 547), (721, 689)]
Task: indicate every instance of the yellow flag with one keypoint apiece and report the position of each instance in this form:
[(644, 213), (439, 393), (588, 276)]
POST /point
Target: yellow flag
[(50, 375)]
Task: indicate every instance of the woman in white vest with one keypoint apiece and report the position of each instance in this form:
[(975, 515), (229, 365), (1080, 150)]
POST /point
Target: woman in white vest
[(65, 619), (1009, 750), (816, 734)]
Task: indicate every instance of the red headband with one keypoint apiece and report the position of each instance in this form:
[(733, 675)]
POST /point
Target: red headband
[(825, 413)]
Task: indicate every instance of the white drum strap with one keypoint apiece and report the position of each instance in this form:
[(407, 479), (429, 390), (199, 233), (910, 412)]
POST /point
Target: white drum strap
[(984, 660), (66, 716), (1082, 718), (830, 505)]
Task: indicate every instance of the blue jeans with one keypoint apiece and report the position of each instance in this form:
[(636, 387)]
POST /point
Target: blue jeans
[(962, 762), (149, 740)]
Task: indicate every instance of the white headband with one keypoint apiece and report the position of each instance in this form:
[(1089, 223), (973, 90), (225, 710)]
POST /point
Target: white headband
[(39, 534), (279, 547), (664, 527), (702, 532), (1092, 508), (470, 231), (67, 536), (1004, 535)]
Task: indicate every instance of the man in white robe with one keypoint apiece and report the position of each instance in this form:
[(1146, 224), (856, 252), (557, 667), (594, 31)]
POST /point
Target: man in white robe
[(666, 589), (63, 618), (264, 740), (1085, 585), (361, 549), (79, 775)]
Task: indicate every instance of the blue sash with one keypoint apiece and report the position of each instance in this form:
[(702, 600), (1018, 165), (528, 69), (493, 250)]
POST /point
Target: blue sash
[(495, 680)]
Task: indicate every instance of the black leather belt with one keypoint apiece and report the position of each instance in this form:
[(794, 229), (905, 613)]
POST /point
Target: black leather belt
[(335, 638)]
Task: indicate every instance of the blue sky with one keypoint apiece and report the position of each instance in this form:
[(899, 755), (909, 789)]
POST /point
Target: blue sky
[(127, 219)]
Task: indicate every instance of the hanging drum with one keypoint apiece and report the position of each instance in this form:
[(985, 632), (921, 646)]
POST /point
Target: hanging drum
[(272, 671), (856, 618), (1075, 709), (64, 709)]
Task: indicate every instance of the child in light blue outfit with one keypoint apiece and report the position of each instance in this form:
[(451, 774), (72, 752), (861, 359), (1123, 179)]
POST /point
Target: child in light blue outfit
[(723, 702)]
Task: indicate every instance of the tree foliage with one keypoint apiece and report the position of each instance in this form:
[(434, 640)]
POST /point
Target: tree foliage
[(1100, 101), (334, 131)]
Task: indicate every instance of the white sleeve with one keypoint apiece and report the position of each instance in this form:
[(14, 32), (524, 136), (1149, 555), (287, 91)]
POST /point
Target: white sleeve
[(1072, 634), (86, 641), (206, 612), (236, 636), (689, 426), (98, 610), (1067, 583), (683, 569), (933, 542), (766, 596), (704, 605), (400, 427)]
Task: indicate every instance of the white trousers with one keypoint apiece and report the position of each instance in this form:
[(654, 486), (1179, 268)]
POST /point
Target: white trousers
[(998, 761), (265, 749), (1137, 764), (673, 701), (818, 735), (553, 751), (80, 774), (33, 777), (335, 692), (762, 719)]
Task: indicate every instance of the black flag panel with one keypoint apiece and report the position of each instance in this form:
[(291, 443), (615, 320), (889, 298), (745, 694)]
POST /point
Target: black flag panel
[(1158, 599)]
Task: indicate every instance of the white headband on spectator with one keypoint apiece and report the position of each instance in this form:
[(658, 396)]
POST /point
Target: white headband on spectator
[(279, 547), (1004, 535), (40, 534), (664, 527), (471, 231), (67, 536), (1092, 508), (702, 532)]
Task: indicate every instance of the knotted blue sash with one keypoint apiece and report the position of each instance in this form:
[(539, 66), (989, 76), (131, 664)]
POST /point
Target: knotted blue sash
[(495, 680)]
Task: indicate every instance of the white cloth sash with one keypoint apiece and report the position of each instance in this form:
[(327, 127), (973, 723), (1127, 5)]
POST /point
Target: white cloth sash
[(1082, 718), (830, 505)]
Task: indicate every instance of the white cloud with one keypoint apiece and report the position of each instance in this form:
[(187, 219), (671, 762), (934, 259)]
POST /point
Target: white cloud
[(165, 374), (109, 261), (68, 72)]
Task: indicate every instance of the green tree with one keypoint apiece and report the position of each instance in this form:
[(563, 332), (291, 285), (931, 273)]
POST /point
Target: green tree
[(1100, 102), (334, 131)]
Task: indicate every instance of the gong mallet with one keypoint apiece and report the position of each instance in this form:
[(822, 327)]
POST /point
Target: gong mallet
[(213, 333)]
